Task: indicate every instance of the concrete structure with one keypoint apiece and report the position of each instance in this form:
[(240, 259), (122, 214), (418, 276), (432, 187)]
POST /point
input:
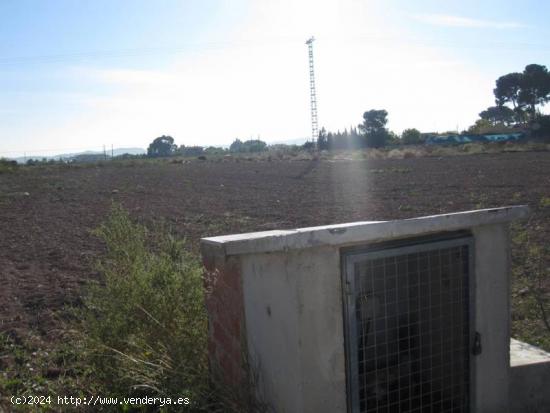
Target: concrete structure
[(275, 302), (530, 379)]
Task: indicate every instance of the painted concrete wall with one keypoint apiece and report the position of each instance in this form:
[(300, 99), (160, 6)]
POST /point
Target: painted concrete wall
[(492, 309), (293, 306), (529, 379), (456, 139)]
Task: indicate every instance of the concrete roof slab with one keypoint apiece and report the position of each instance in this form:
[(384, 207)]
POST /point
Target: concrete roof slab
[(356, 232), (522, 353)]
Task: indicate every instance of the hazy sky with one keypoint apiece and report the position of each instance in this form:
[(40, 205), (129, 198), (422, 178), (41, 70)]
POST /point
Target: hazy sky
[(75, 75)]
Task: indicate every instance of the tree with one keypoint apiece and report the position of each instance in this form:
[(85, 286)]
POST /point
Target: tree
[(535, 88), (355, 140), (252, 145), (322, 140), (498, 115), (213, 150), (480, 127), (374, 128), (309, 146), (541, 127), (236, 146), (507, 89), (411, 137), (524, 91), (255, 145), (162, 146), (191, 150)]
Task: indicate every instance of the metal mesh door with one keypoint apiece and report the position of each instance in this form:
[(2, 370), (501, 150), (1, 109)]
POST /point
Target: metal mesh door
[(408, 326)]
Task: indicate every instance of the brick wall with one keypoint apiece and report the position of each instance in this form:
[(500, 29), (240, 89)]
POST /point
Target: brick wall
[(224, 301)]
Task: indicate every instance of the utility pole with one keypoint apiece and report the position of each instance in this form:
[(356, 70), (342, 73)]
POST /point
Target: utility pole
[(104, 153), (112, 152), (312, 92)]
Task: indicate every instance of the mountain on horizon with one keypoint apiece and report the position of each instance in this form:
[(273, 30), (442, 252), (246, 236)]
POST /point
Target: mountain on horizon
[(297, 141), (69, 156)]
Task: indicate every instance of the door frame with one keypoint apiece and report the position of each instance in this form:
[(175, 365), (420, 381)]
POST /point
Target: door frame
[(353, 255)]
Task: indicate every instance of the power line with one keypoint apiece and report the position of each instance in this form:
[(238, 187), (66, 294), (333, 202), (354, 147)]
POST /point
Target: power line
[(136, 52), (203, 46)]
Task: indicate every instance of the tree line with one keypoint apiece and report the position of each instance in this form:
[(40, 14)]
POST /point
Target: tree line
[(164, 146), (371, 133), (519, 98)]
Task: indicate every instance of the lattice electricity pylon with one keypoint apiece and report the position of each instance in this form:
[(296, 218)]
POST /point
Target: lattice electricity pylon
[(312, 93)]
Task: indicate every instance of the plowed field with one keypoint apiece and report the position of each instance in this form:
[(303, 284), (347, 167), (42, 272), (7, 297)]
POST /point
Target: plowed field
[(47, 250)]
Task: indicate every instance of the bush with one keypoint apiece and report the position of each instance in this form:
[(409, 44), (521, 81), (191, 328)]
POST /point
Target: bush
[(529, 290), (250, 146), (540, 128), (281, 151), (145, 325), (411, 137), (191, 150), (7, 166), (213, 150), (377, 139)]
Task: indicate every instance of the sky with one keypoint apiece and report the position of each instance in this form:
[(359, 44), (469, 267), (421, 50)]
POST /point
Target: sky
[(77, 75)]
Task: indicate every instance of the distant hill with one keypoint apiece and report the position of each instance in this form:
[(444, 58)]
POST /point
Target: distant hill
[(297, 141), (86, 154), (129, 151)]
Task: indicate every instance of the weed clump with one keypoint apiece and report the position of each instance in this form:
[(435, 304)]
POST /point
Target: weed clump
[(530, 290), (7, 166), (144, 326)]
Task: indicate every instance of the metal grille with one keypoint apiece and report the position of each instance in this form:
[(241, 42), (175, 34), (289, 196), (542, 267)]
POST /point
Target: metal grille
[(409, 328)]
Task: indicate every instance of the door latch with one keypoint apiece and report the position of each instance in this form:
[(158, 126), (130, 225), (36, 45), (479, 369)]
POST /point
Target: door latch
[(476, 348)]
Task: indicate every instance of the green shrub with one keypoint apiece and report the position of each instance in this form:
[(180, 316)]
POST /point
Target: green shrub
[(540, 128), (545, 202), (145, 324), (530, 294), (411, 137), (7, 166)]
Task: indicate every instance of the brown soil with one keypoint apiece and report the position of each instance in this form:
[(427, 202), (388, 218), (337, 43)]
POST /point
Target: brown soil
[(47, 250)]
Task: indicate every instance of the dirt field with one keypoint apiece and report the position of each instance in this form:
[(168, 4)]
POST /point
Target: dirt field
[(47, 213)]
